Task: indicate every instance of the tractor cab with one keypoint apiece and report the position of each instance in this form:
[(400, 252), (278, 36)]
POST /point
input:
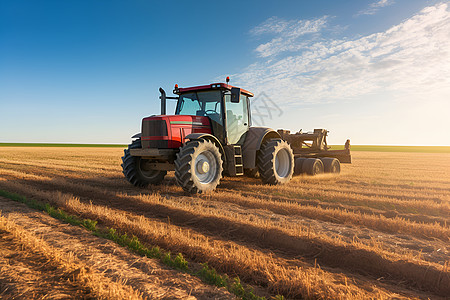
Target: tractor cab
[(226, 107)]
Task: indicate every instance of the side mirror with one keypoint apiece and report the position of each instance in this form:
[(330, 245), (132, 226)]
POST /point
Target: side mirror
[(235, 95)]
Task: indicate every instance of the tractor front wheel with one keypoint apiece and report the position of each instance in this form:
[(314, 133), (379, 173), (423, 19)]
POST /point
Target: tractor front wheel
[(275, 162), (198, 166), (135, 170)]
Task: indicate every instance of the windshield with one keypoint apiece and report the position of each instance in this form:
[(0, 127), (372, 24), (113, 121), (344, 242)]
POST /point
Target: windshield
[(206, 103)]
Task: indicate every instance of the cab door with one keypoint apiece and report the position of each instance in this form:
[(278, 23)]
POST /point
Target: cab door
[(237, 120)]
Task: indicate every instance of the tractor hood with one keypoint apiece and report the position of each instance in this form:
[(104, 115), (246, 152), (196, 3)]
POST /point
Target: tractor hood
[(170, 131)]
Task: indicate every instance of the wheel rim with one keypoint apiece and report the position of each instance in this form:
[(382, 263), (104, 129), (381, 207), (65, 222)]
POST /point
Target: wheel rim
[(282, 163), (205, 167), (316, 169), (336, 168)]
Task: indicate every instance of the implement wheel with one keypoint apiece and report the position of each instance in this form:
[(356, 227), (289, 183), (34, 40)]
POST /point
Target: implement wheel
[(135, 170), (312, 166), (198, 167), (331, 165), (275, 162), (298, 169)]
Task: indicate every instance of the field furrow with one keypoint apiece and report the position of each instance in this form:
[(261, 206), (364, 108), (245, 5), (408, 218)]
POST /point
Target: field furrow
[(349, 199), (324, 205)]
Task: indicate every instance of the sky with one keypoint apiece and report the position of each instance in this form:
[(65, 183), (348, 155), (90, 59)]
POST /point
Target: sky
[(376, 71)]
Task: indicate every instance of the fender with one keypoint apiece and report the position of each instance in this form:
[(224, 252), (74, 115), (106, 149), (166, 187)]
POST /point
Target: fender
[(254, 138), (137, 135), (206, 136)]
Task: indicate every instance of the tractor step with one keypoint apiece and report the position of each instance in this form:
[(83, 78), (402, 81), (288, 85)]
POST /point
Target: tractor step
[(238, 161), (235, 161)]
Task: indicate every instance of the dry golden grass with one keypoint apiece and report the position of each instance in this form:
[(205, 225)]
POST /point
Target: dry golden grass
[(63, 267), (385, 217)]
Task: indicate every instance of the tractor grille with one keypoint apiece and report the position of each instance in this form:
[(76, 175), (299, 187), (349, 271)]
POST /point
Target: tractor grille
[(154, 128)]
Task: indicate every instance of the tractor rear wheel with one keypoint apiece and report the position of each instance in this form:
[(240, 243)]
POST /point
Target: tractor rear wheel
[(135, 170), (312, 166), (331, 165), (198, 166), (275, 162)]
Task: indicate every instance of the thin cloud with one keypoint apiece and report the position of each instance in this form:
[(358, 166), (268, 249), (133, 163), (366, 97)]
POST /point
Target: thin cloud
[(375, 7), (411, 58), (288, 34)]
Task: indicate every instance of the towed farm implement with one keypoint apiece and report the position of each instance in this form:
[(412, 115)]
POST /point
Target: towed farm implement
[(211, 135)]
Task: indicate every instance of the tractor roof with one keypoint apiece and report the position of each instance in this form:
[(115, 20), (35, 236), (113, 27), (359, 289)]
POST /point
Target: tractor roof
[(211, 86)]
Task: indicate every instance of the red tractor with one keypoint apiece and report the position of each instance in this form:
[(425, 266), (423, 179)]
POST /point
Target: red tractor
[(211, 134)]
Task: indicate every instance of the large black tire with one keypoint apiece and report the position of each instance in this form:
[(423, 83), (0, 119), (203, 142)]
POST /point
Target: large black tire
[(275, 162), (331, 165), (312, 166), (198, 166), (134, 168)]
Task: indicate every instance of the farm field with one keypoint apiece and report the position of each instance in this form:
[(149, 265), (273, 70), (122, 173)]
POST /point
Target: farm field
[(376, 148), (378, 230)]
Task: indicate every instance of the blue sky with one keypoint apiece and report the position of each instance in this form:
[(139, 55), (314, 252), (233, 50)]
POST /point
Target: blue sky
[(377, 72)]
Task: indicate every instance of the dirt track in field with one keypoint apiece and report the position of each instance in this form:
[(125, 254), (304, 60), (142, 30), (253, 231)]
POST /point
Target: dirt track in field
[(375, 231), (27, 275)]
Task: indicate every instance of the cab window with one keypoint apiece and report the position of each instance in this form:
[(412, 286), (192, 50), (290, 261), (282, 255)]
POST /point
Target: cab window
[(237, 118), (206, 103)]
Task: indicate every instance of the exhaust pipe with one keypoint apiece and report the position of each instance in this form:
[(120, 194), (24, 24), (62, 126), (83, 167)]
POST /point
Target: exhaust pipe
[(163, 98), (163, 101)]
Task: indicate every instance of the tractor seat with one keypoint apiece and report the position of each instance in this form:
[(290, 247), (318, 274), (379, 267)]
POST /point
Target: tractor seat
[(231, 117)]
